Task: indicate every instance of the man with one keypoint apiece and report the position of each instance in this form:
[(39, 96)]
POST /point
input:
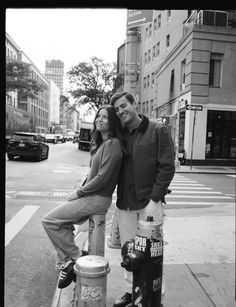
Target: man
[(145, 176)]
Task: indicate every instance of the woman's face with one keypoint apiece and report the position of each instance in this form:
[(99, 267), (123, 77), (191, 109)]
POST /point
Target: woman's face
[(101, 121)]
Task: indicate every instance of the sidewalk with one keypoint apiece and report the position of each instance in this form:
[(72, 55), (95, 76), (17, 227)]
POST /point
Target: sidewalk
[(196, 275), (199, 265)]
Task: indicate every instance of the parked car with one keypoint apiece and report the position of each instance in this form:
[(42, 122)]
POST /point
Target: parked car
[(51, 138), (70, 136), (60, 138), (27, 144), (76, 138)]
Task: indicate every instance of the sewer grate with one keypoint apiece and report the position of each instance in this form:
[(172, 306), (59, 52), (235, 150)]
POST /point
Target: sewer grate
[(41, 196)]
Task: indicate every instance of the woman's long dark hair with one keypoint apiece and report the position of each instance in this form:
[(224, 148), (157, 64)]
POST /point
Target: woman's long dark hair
[(115, 130)]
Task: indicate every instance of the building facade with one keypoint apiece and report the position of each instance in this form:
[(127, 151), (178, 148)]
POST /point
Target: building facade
[(12, 52), (187, 77), (36, 109), (54, 70), (54, 99), (38, 106)]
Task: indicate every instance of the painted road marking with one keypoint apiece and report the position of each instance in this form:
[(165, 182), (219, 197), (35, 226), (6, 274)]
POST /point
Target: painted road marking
[(18, 222), (197, 196), (61, 171), (194, 188), (185, 181), (200, 203), (199, 192), (188, 184)]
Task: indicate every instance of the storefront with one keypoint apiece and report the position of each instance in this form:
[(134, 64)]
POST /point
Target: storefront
[(221, 135)]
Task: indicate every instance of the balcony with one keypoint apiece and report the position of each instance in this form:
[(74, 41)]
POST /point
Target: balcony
[(210, 18)]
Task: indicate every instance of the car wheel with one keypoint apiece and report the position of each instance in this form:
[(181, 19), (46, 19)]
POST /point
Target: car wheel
[(10, 157), (46, 155), (39, 157)]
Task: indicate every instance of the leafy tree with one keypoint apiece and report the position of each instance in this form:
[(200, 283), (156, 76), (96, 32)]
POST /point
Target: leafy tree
[(92, 82), (18, 78)]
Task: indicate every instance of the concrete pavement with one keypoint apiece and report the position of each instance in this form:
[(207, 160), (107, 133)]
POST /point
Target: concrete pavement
[(199, 259)]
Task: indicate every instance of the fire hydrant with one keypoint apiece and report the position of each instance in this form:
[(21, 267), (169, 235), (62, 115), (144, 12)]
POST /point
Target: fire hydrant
[(144, 257)]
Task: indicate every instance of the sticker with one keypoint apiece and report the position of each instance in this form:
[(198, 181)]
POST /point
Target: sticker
[(156, 249), (91, 293), (140, 243), (91, 226), (156, 284)]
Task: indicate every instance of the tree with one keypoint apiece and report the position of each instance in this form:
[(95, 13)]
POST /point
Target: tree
[(18, 78), (92, 82)]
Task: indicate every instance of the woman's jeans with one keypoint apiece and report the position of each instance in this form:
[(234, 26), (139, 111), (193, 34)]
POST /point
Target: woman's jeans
[(58, 223)]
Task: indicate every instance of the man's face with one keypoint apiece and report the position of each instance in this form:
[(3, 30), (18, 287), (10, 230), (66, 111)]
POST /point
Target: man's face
[(125, 110)]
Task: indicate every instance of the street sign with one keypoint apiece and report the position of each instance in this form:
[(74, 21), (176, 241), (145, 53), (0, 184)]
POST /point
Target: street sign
[(194, 107), (138, 17)]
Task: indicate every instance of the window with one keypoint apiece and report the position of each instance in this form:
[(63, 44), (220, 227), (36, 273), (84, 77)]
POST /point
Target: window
[(144, 82), (182, 80), (146, 33), (150, 30), (155, 24), (172, 81), (143, 107), (145, 58), (153, 52), (149, 55), (147, 107), (167, 41), (168, 15), (158, 49), (215, 70), (159, 22), (151, 106), (148, 80), (152, 79)]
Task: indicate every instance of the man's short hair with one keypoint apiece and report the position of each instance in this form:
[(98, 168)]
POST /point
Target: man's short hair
[(118, 95)]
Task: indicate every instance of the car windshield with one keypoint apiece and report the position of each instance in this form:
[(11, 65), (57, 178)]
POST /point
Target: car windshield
[(18, 137)]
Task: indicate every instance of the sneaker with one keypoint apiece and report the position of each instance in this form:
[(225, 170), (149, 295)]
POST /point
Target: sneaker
[(83, 253), (125, 300), (66, 274)]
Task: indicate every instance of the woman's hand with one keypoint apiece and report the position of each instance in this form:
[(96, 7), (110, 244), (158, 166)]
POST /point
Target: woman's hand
[(73, 196)]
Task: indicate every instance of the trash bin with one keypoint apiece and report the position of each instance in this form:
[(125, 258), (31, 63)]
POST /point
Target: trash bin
[(91, 282)]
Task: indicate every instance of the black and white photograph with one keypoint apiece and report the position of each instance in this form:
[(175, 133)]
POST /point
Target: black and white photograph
[(120, 157)]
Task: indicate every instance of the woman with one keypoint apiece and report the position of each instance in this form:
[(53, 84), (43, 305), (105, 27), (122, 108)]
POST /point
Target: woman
[(93, 197)]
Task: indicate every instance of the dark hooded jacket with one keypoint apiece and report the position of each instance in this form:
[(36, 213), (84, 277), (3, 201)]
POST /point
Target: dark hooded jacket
[(153, 162)]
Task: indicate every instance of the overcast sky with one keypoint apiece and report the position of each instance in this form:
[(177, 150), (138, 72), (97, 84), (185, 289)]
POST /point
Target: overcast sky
[(70, 35)]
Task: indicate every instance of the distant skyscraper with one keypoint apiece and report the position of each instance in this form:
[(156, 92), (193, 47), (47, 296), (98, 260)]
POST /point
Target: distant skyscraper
[(54, 70)]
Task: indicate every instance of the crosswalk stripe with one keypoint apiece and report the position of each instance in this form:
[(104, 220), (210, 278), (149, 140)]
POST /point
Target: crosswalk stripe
[(61, 171), (193, 188), (18, 222), (188, 184), (197, 196), (185, 181), (199, 192), (198, 203)]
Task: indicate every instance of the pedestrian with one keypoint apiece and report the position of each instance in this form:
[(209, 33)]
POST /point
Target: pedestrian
[(93, 197), (145, 174)]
